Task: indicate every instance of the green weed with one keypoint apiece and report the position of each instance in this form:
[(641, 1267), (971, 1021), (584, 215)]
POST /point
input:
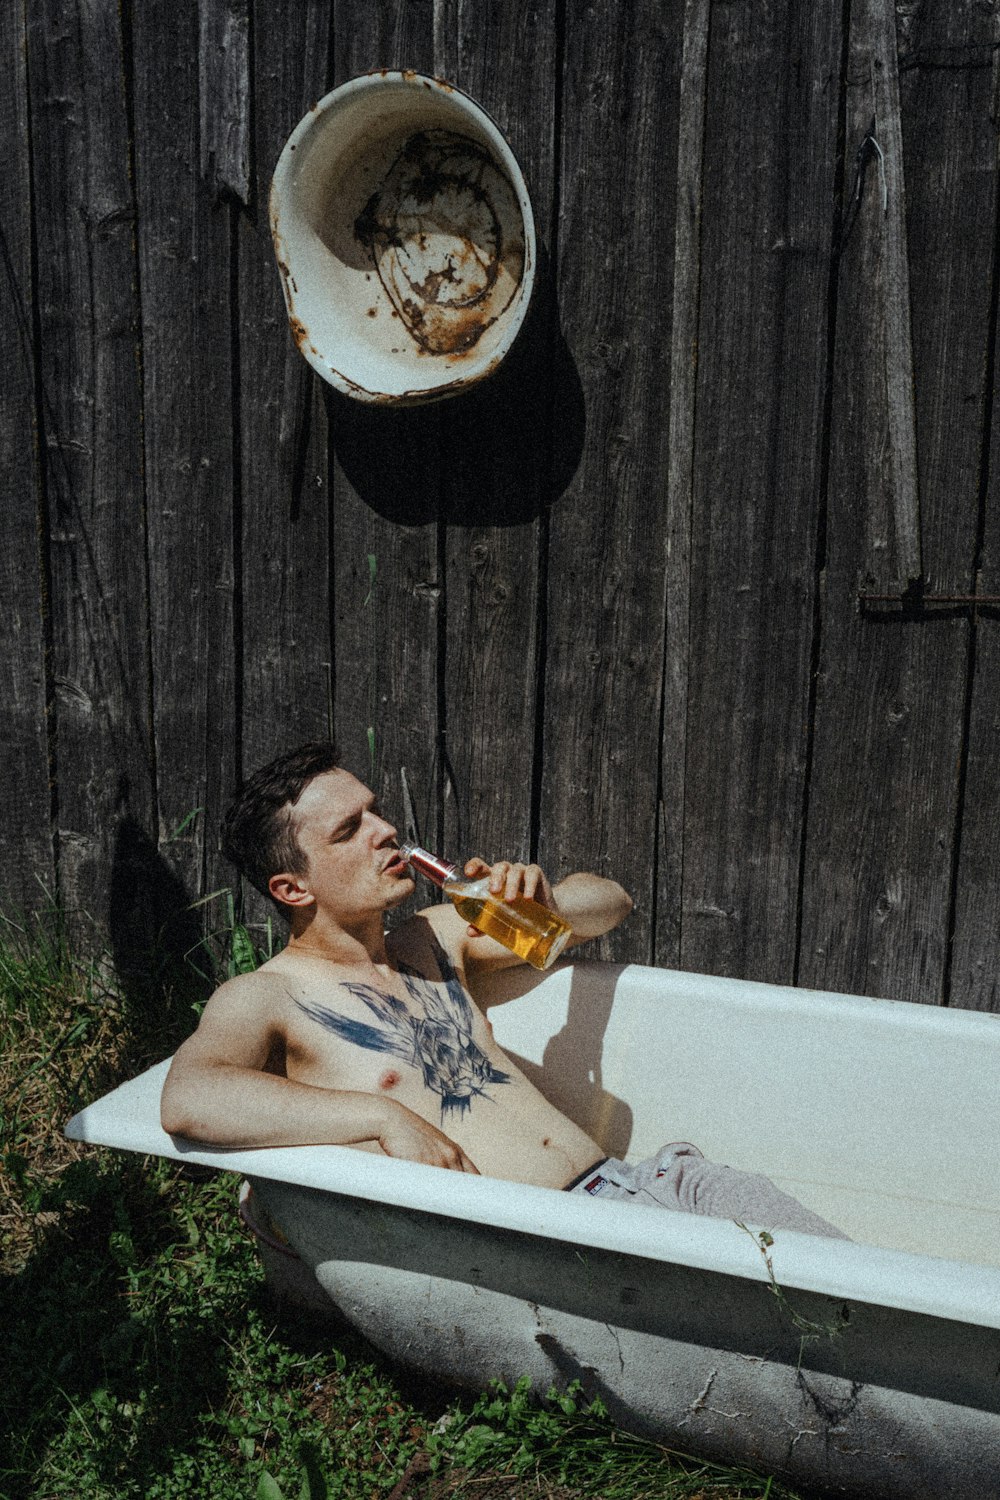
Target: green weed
[(571, 1442), (228, 947), (810, 1330)]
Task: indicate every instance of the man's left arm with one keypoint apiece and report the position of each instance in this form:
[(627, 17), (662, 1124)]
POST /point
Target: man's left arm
[(591, 904)]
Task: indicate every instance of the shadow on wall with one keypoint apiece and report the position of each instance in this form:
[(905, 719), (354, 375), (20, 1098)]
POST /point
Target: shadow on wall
[(570, 1071), (154, 933), (498, 455)]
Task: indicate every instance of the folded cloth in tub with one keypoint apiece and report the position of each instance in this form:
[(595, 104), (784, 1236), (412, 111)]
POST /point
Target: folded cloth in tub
[(681, 1178)]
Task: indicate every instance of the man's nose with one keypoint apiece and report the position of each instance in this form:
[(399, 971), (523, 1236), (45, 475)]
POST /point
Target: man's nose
[(385, 832)]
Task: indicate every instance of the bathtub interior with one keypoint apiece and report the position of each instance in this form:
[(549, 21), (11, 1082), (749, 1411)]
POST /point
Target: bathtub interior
[(880, 1115)]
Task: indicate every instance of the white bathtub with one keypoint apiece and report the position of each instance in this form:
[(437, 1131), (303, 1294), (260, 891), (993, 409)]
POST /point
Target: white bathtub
[(868, 1368)]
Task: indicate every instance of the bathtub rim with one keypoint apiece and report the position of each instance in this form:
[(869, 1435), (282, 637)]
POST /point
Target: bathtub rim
[(128, 1119)]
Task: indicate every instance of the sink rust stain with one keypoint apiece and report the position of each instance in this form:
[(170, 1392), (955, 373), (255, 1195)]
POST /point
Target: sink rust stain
[(445, 232)]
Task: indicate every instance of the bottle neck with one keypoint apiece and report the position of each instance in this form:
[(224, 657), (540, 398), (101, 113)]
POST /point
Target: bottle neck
[(430, 865)]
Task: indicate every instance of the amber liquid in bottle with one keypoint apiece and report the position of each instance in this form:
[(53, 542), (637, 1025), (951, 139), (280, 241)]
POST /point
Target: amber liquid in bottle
[(524, 926), (536, 934)]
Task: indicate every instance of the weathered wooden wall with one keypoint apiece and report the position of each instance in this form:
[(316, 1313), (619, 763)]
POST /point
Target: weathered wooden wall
[(618, 615)]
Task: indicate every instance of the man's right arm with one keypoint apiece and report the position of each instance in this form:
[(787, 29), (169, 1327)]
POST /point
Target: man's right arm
[(217, 1092)]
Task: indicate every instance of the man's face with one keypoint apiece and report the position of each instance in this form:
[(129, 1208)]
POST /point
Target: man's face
[(353, 867)]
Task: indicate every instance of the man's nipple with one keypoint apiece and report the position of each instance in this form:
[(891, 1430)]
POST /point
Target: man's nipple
[(389, 1079)]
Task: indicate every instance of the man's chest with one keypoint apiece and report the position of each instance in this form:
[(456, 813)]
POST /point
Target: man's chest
[(427, 1039)]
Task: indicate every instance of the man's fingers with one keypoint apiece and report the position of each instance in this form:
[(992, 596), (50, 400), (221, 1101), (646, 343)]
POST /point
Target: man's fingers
[(510, 878), (457, 1161), (416, 1139), (534, 883), (526, 880)]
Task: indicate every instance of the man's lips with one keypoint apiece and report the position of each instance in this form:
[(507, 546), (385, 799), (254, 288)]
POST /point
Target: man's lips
[(396, 866)]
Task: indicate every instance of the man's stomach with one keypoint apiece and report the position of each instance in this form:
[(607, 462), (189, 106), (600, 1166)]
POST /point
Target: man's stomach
[(510, 1131), (539, 1146)]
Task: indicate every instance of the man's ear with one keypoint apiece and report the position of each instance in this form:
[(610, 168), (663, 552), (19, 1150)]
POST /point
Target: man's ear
[(290, 890)]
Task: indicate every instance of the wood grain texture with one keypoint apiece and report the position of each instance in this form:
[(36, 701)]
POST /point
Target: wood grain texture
[(974, 972), (877, 25), (605, 608), (27, 867), (496, 472), (605, 605), (283, 491), (89, 368), (766, 237), (884, 803), (386, 485), (224, 115), (672, 797), (185, 276), (951, 158)]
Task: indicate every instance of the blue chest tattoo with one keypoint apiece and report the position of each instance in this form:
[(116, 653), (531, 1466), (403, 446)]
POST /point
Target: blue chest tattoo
[(436, 1036)]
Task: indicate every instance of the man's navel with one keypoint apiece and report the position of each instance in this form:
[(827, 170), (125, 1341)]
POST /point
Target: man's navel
[(389, 1079)]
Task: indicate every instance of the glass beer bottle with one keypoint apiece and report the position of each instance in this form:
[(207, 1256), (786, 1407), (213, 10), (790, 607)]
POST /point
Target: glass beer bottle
[(523, 925)]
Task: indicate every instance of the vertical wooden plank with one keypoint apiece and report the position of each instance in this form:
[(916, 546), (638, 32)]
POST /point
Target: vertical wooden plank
[(605, 607), (496, 468), (974, 976), (285, 548), (974, 972), (880, 849), (769, 161), (672, 799), (224, 106), (879, 26), (26, 864), (184, 259), (88, 319), (387, 547)]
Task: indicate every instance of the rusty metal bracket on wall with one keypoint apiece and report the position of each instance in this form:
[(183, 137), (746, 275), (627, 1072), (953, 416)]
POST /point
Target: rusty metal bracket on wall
[(914, 599)]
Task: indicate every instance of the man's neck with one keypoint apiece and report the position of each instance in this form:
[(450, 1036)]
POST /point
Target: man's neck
[(352, 947)]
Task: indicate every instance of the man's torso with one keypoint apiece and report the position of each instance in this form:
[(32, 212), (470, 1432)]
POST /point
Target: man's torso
[(413, 1034)]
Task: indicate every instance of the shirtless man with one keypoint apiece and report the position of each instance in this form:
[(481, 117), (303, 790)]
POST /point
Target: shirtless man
[(353, 1037), (357, 1037)]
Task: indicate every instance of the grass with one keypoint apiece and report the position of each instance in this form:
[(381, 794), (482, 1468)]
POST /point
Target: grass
[(144, 1357)]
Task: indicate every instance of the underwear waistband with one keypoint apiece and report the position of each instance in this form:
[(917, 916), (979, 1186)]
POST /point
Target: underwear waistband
[(582, 1176)]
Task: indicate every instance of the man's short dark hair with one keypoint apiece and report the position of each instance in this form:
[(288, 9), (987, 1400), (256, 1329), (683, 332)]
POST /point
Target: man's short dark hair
[(258, 830)]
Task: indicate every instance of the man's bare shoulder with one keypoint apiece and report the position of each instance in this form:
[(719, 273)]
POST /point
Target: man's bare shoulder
[(254, 1001), (250, 991)]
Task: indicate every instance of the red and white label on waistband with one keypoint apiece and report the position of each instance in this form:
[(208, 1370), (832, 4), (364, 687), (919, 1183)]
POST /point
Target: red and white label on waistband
[(597, 1184)]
